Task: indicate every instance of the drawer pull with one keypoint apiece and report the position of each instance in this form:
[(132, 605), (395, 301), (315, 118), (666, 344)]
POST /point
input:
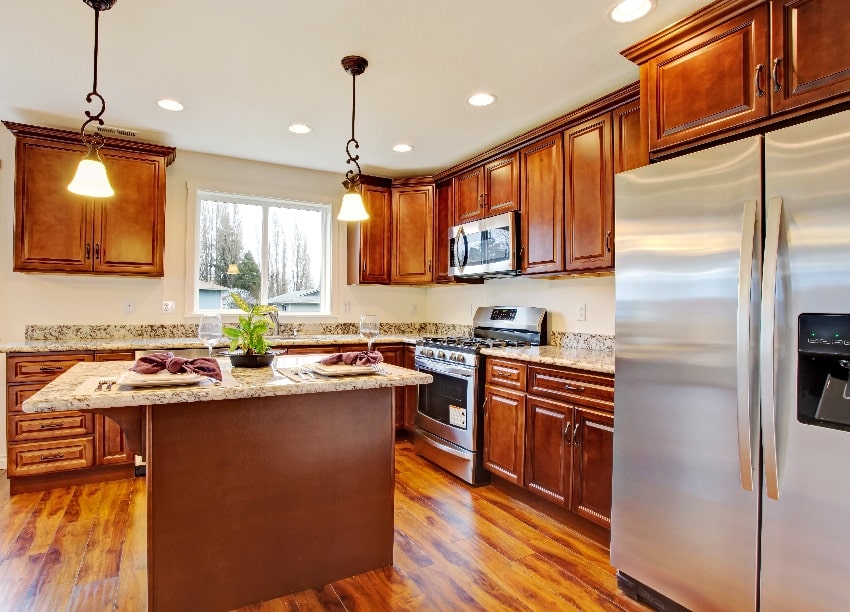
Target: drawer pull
[(51, 425), (50, 368), (55, 457), (570, 387), (504, 371)]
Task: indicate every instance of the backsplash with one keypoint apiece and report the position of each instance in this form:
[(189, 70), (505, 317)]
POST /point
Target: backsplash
[(65, 333)]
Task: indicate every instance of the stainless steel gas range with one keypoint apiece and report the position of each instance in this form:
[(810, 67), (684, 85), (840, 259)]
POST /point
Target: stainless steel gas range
[(449, 417)]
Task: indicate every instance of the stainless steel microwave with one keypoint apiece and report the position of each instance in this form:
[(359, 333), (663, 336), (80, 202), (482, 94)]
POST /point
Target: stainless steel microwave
[(488, 247)]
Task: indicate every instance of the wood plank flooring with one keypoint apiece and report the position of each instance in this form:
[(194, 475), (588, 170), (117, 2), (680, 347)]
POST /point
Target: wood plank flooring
[(456, 548)]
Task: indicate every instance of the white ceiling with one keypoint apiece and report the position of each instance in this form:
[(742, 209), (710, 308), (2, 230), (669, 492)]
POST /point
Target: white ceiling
[(246, 70)]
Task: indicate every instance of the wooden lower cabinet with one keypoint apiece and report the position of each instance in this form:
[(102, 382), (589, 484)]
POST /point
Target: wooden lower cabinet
[(411, 392), (504, 427)]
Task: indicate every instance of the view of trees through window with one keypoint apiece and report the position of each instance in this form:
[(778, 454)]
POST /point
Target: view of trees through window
[(269, 252)]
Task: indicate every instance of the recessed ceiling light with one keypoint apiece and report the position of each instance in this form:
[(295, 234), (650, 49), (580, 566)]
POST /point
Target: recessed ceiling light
[(481, 99), (402, 148), (300, 128), (170, 105), (631, 10)]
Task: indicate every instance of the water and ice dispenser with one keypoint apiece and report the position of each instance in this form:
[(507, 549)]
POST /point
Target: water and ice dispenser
[(823, 370)]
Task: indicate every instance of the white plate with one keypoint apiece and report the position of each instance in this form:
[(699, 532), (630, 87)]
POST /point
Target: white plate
[(341, 369), (160, 379)]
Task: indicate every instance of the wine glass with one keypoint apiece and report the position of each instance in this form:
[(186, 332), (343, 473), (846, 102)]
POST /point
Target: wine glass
[(209, 330), (369, 328)]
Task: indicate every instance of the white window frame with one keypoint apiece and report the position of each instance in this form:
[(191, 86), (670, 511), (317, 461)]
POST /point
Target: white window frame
[(196, 192)]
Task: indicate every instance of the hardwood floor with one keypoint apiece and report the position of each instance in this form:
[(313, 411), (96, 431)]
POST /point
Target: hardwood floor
[(456, 548)]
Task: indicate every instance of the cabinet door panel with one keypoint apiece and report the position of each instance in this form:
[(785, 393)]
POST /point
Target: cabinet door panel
[(710, 82), (111, 445), (442, 224), (413, 235), (44, 367), (53, 456), (469, 192), (52, 225), (630, 150), (501, 180), (811, 40), (548, 445), (130, 227), (372, 236), (504, 433), (589, 192), (543, 206), (593, 460)]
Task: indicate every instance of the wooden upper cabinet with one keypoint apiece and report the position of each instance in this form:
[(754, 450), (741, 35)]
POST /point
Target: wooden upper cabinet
[(412, 232), (58, 231), (501, 185), (810, 52), (443, 202), (369, 249), (542, 193), (630, 150), (589, 195), (710, 82), (469, 196)]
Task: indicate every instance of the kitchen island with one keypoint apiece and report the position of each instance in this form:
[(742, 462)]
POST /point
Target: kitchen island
[(258, 487)]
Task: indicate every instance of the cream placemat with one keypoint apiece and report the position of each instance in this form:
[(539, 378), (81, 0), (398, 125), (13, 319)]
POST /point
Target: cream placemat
[(89, 385)]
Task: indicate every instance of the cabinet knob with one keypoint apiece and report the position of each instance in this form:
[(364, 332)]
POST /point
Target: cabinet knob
[(774, 74), (757, 78)]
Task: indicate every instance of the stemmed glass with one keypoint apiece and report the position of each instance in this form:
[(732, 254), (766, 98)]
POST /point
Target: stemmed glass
[(209, 330), (369, 328)]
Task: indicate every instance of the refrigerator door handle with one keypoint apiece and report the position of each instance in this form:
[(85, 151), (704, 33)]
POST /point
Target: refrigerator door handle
[(773, 216), (746, 427)]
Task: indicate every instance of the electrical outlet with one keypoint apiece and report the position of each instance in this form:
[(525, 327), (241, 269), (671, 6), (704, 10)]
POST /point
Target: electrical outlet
[(129, 307), (346, 307), (581, 312), (169, 306)]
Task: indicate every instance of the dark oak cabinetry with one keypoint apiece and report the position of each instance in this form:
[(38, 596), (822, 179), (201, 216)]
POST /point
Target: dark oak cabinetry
[(550, 430), (487, 190), (443, 207), (369, 240), (58, 231), (543, 206), (740, 64), (412, 232)]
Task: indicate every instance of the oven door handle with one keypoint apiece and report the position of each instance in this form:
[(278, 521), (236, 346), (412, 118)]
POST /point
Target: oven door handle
[(434, 441), (447, 370)]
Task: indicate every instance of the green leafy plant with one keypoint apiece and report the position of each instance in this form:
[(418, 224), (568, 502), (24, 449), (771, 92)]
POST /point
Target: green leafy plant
[(248, 336)]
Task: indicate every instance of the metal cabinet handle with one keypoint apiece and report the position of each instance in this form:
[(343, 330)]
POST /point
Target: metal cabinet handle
[(608, 241), (759, 90), (50, 368), (576, 439), (567, 432), (88, 250), (283, 350), (774, 74), (429, 266), (51, 425), (484, 405), (570, 387), (55, 457), (97, 250)]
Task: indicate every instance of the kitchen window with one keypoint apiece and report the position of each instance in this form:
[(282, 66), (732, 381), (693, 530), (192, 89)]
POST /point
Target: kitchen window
[(267, 250)]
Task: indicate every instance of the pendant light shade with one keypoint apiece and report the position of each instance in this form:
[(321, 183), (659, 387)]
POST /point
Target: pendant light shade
[(352, 208), (91, 179)]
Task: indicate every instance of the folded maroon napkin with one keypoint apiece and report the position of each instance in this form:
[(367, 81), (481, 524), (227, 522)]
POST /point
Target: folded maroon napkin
[(361, 358), (156, 362)]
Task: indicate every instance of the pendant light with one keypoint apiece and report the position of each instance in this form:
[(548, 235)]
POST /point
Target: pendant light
[(352, 208), (90, 179)]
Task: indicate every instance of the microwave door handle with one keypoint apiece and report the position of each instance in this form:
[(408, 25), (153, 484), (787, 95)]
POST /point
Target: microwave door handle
[(461, 261)]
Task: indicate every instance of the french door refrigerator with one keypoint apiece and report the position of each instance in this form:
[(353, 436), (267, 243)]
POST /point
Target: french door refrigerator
[(732, 442)]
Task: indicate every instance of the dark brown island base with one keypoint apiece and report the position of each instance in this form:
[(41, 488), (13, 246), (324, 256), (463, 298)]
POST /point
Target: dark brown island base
[(258, 487)]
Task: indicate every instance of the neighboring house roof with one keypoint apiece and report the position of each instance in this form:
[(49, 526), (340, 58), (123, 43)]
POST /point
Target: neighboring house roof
[(305, 296), (207, 286)]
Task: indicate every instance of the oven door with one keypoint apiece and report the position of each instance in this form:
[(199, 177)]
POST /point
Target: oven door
[(447, 406)]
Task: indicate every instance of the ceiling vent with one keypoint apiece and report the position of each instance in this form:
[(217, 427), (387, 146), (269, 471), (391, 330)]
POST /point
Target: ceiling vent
[(111, 130)]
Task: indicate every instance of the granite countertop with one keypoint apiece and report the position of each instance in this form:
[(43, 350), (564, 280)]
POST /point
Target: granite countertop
[(579, 358), (142, 344), (74, 390)]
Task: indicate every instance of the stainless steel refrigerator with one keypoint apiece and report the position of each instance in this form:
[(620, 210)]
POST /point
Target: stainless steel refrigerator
[(732, 439)]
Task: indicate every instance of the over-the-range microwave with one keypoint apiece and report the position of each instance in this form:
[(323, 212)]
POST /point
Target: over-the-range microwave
[(488, 247)]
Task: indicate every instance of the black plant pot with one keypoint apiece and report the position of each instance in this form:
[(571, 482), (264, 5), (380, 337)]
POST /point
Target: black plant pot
[(241, 360)]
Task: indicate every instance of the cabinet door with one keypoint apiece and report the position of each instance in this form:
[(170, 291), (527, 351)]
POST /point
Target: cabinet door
[(593, 459), (129, 228), (469, 196), (411, 392), (442, 225), (504, 433), (548, 435), (542, 186), (501, 185), (369, 240), (630, 148), (710, 82), (589, 193), (810, 52), (110, 444), (53, 227), (413, 235)]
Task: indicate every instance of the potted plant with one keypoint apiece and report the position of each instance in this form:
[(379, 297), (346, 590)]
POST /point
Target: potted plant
[(248, 346)]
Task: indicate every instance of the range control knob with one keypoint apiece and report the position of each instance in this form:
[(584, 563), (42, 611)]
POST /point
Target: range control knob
[(441, 354), (428, 352), (459, 357)]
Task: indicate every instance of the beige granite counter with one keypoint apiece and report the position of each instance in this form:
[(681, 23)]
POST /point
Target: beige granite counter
[(73, 389), (579, 358)]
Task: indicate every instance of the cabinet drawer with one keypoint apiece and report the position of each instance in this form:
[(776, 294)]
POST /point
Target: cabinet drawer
[(510, 374), (55, 456), (16, 394), (41, 368), (24, 427), (594, 390)]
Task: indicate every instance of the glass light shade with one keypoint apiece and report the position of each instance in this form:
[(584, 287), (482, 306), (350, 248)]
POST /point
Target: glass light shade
[(90, 179), (233, 269), (352, 208)]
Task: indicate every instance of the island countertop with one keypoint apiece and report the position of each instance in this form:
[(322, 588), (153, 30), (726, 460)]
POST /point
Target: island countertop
[(75, 389)]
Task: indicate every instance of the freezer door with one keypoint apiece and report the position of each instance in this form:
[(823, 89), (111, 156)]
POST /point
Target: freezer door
[(683, 521), (805, 536)]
